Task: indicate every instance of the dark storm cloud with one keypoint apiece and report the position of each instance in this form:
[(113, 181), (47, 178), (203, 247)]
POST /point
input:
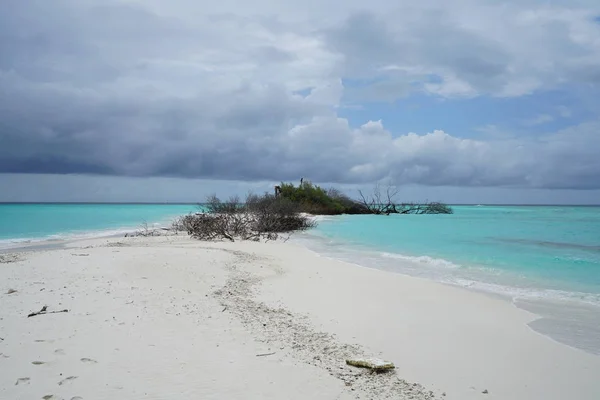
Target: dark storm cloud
[(132, 89)]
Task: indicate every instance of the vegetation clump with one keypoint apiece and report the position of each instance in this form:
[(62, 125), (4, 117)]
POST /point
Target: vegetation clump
[(315, 200), (258, 218)]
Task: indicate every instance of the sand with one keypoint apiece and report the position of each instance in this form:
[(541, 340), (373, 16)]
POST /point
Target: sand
[(173, 318)]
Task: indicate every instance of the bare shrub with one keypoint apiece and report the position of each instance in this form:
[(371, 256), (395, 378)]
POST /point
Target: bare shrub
[(214, 205), (259, 218)]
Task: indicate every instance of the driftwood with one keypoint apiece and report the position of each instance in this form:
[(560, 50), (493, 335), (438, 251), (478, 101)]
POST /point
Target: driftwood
[(146, 231), (374, 364), (44, 310), (265, 354)]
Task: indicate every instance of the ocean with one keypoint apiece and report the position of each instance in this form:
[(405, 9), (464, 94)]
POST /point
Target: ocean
[(545, 259), (41, 222)]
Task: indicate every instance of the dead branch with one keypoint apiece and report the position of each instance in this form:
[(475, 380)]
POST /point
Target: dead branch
[(379, 203), (44, 310)]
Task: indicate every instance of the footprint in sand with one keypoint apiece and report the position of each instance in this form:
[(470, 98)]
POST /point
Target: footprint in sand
[(60, 352), (89, 361), (38, 362), (22, 381), (77, 398), (66, 380), (48, 397)]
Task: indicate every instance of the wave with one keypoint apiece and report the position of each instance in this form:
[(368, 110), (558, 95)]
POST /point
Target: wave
[(430, 261), (528, 293), (512, 287), (15, 243), (59, 237)]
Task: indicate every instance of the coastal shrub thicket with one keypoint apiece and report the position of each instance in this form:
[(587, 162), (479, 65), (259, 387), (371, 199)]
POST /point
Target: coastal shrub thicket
[(315, 200), (263, 217)]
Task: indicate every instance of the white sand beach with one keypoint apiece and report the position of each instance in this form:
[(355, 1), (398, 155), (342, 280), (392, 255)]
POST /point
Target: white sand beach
[(173, 318)]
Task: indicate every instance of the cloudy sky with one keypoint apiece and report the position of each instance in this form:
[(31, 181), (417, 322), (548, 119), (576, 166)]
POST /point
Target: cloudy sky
[(155, 100)]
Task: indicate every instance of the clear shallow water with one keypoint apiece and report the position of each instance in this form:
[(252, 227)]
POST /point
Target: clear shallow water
[(553, 248), (544, 259), (31, 222)]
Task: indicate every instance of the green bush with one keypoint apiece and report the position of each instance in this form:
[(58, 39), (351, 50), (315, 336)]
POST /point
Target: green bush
[(315, 200)]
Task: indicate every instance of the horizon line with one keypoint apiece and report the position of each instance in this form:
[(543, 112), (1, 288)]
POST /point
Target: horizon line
[(201, 203)]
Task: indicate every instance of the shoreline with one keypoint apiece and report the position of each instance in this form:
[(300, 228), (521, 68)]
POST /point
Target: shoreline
[(198, 312), (554, 317), (566, 317)]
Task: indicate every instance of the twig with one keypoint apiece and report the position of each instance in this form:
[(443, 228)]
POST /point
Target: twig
[(44, 311), (265, 354), (223, 310)]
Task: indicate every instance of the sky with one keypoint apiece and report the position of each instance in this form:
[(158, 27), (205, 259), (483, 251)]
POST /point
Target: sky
[(461, 101)]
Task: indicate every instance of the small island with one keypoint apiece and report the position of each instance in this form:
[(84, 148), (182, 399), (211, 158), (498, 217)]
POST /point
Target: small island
[(291, 208)]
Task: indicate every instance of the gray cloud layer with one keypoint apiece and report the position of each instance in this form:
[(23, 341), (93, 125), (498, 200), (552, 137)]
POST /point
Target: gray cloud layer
[(141, 89)]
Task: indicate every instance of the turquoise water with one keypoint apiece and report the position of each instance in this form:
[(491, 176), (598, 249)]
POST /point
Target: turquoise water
[(524, 251), (25, 222), (529, 250)]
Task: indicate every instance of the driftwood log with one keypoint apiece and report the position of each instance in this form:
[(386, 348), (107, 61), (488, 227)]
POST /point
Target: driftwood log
[(44, 310)]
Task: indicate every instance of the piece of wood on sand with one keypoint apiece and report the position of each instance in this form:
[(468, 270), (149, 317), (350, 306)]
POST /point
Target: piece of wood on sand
[(374, 364)]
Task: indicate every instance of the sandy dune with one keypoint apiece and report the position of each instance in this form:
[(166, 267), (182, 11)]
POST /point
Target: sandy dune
[(172, 318)]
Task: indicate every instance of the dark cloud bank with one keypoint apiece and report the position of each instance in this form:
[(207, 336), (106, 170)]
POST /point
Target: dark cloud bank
[(120, 88)]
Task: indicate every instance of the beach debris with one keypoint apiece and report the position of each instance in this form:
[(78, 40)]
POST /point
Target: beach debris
[(48, 397), (89, 360), (44, 310), (117, 244), (80, 254), (265, 354), (38, 362), (68, 379), (485, 391), (11, 291), (22, 380), (374, 364), (10, 258)]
